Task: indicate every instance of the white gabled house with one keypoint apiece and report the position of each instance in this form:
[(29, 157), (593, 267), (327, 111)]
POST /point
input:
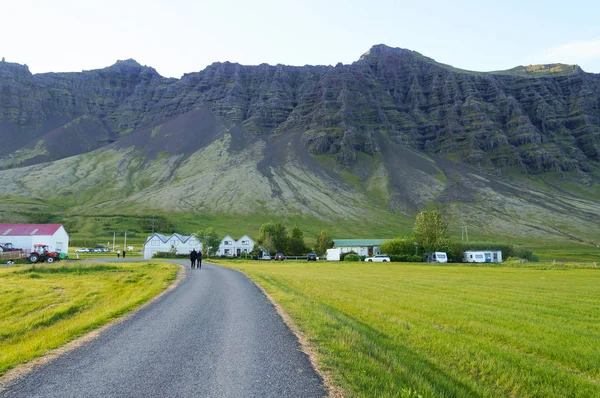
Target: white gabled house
[(161, 243), (230, 247)]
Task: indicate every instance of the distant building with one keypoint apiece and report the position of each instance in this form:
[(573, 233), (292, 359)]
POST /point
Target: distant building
[(362, 247), (24, 236), (235, 248), (179, 243)]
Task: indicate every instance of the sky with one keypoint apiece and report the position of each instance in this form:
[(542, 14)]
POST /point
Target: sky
[(182, 36)]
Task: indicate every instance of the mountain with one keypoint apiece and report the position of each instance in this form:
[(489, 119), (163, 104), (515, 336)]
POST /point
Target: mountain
[(514, 152)]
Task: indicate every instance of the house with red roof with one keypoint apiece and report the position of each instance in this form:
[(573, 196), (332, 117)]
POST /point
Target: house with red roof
[(24, 236)]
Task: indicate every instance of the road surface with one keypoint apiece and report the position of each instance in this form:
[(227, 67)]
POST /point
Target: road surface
[(215, 335)]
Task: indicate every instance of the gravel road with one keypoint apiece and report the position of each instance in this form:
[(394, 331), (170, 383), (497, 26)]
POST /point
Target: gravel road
[(215, 335)]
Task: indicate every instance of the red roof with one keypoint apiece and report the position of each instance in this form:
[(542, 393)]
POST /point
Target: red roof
[(28, 229)]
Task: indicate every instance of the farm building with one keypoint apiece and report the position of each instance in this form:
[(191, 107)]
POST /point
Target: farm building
[(362, 247), (234, 248), (179, 243), (24, 236), (482, 256)]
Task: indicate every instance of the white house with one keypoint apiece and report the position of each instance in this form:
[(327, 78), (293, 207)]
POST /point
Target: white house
[(161, 243), (482, 256), (362, 247), (235, 248), (24, 236)]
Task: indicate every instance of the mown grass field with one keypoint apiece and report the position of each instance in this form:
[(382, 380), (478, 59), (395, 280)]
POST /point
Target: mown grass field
[(444, 331), (43, 307)]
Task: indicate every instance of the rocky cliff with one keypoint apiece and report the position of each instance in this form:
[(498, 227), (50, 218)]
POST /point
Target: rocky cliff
[(389, 134), (537, 118)]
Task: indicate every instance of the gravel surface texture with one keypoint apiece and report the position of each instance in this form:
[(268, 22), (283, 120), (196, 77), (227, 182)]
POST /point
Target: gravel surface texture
[(215, 335)]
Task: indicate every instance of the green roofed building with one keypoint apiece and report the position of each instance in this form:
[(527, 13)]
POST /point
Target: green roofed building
[(362, 247)]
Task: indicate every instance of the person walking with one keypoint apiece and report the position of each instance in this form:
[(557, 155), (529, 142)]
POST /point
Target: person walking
[(199, 259), (123, 253), (193, 257)]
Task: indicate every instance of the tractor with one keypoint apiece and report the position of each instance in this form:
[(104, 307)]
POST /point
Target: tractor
[(41, 253)]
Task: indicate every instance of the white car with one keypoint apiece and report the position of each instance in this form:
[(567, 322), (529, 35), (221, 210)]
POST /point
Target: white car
[(379, 258)]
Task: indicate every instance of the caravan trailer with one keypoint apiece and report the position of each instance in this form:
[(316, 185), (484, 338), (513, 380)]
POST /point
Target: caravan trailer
[(482, 256), (435, 257)]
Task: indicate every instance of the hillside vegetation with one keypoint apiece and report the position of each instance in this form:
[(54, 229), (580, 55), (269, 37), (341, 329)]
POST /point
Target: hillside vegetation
[(513, 153)]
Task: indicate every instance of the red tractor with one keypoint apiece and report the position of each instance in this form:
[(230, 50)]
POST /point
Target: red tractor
[(41, 253)]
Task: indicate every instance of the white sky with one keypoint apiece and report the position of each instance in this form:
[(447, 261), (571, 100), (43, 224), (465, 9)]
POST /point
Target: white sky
[(180, 36)]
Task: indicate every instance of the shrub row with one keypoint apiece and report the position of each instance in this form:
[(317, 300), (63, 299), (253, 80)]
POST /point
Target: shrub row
[(406, 258)]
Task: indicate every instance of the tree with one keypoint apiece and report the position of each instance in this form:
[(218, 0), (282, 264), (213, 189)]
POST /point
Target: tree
[(324, 242), (296, 245), (210, 241), (273, 237), (398, 246), (430, 231)]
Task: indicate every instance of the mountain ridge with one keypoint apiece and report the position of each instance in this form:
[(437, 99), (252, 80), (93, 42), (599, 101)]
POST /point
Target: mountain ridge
[(393, 132)]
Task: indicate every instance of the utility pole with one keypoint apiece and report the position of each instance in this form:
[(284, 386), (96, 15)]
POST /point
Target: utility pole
[(125, 241), (114, 237), (152, 224)]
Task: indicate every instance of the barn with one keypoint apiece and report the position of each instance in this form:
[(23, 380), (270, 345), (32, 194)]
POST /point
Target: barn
[(24, 236)]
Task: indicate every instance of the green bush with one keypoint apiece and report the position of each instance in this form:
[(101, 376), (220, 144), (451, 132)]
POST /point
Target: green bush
[(398, 246), (351, 257), (343, 255), (526, 254), (405, 258)]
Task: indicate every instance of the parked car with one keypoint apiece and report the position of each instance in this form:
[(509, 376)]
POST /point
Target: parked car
[(266, 257), (82, 250), (279, 256), (8, 247), (379, 258), (311, 256)]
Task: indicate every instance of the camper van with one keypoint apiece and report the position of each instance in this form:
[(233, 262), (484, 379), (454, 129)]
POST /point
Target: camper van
[(436, 257), (482, 256)]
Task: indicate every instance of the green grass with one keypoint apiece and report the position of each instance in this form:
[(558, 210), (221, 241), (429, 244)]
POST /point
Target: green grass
[(444, 331), (44, 307)]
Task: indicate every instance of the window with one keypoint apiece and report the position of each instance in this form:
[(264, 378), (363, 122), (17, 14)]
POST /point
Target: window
[(227, 251), (479, 256), (227, 242), (245, 242), (155, 242)]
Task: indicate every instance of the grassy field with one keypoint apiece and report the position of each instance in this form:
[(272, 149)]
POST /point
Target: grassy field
[(444, 331), (43, 307)]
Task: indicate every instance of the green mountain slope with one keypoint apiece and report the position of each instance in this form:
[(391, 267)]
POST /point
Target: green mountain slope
[(514, 153)]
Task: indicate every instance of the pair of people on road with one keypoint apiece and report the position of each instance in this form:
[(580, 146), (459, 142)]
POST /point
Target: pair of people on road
[(196, 259)]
